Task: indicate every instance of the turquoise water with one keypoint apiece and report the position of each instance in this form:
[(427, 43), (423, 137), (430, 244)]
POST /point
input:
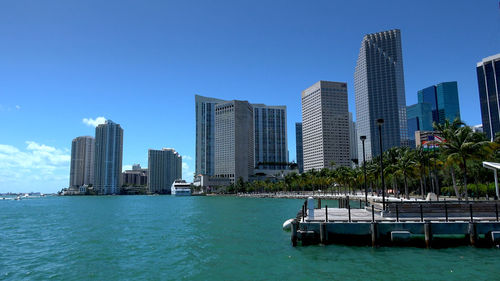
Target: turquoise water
[(200, 238)]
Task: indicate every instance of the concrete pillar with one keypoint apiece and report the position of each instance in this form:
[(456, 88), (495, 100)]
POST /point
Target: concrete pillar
[(428, 234), (310, 206)]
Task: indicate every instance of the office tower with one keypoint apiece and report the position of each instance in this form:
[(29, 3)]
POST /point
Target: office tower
[(488, 80), (380, 92), (353, 140), (108, 158), (164, 167), (325, 125), (82, 161), (135, 177), (234, 140), (443, 99), (419, 119), (299, 147), (205, 134), (270, 136), (136, 167)]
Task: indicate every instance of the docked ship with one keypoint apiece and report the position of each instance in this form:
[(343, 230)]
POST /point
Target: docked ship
[(181, 188)]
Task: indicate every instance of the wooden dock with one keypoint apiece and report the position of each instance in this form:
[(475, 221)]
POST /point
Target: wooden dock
[(425, 224)]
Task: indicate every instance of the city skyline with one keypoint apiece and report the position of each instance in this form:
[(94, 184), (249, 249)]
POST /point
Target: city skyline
[(46, 67)]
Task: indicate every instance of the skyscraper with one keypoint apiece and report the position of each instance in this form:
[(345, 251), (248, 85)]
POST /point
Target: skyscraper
[(488, 80), (270, 135), (353, 140), (234, 140), (164, 167), (299, 147), (205, 134), (108, 158), (82, 161), (419, 118), (443, 99), (325, 125), (380, 91)]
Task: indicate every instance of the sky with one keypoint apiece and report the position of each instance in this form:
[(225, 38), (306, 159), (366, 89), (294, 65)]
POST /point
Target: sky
[(66, 66)]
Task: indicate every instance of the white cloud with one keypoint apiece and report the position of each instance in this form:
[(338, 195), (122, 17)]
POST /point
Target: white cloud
[(18, 107), (126, 167), (94, 122), (187, 157), (38, 167), (187, 173)]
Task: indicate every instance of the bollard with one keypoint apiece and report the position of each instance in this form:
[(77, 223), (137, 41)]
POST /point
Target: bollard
[(373, 214), (446, 211), (373, 230), (349, 210), (310, 205), (319, 203), (360, 204), (294, 233), (397, 213), (428, 234), (326, 213), (421, 214), (471, 217)]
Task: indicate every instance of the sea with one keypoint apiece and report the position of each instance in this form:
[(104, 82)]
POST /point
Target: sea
[(201, 238)]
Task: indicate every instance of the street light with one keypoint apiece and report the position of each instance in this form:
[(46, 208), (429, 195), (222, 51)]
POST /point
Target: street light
[(380, 122), (363, 138)]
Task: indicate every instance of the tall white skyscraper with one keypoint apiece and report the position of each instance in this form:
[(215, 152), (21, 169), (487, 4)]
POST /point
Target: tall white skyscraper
[(234, 140), (380, 92), (164, 167), (271, 146), (108, 158), (82, 161), (325, 125)]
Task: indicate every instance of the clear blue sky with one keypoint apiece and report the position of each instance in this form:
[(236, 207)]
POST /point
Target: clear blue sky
[(140, 63)]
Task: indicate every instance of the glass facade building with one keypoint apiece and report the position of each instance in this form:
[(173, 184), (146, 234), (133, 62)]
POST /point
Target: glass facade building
[(108, 158), (443, 99), (380, 92), (164, 167), (488, 79), (205, 134), (299, 148), (419, 119), (270, 136)]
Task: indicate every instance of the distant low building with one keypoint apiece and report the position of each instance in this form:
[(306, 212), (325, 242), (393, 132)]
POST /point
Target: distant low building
[(428, 139), (478, 128), (135, 177)]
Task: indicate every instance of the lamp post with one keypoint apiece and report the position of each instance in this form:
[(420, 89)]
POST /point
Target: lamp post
[(380, 122), (363, 138)]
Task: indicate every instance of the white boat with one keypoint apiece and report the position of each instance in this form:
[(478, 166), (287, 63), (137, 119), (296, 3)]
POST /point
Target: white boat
[(181, 188)]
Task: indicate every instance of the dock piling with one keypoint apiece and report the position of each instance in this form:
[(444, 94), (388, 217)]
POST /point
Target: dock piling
[(323, 235), (472, 233), (373, 230), (428, 234), (349, 210), (421, 214), (446, 211), (397, 213), (326, 213), (373, 214), (471, 217)]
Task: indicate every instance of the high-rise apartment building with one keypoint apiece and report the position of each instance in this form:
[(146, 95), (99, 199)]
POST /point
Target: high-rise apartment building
[(380, 92), (299, 147), (443, 99), (234, 140), (353, 140), (325, 125), (205, 134), (164, 167), (488, 80), (108, 158), (82, 161), (270, 136)]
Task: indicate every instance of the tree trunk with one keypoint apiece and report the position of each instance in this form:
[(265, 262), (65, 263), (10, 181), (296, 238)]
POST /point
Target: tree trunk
[(406, 188), (457, 193)]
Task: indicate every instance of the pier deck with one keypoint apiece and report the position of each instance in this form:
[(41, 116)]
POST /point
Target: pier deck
[(402, 224)]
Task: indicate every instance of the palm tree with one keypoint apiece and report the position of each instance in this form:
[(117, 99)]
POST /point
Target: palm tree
[(462, 146), (405, 166)]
